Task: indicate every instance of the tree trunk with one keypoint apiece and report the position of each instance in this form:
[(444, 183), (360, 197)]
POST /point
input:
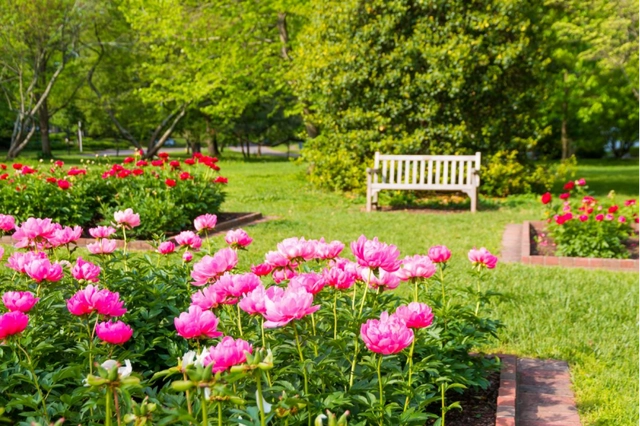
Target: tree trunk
[(212, 139), (259, 149), (43, 116)]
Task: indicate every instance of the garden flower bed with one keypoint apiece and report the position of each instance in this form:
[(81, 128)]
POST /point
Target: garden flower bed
[(115, 338)]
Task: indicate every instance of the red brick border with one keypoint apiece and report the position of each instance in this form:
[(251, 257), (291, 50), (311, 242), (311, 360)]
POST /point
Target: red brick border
[(245, 219), (507, 393), (527, 258)]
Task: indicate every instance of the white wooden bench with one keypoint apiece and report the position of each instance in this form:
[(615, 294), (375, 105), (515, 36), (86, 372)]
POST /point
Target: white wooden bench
[(424, 172)]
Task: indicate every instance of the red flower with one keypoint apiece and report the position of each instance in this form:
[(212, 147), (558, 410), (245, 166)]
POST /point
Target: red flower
[(17, 166), (215, 167), (221, 179), (569, 185), (190, 161), (185, 176), (3, 167), (59, 163), (4, 176), (123, 173), (52, 180), (564, 196), (197, 155), (117, 167), (170, 183), (128, 160), (613, 209), (546, 198), (142, 163), (26, 170), (175, 164), (157, 163), (75, 171), (63, 184), (138, 172), (163, 155)]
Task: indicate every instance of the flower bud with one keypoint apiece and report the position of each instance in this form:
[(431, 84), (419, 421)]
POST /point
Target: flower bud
[(95, 381), (182, 385)]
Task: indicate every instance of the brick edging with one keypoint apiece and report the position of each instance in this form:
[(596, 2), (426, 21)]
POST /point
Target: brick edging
[(142, 245), (571, 262), (507, 392)]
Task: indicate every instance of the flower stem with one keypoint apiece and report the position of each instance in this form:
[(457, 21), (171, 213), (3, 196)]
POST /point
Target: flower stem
[(184, 376), (116, 407), (353, 297), (415, 294), (124, 250), (219, 413), (335, 315), (381, 391), (239, 320), (304, 370), (353, 362), (444, 409), (107, 407), (410, 360), (203, 399), (264, 344), (35, 381), (260, 400), (364, 294)]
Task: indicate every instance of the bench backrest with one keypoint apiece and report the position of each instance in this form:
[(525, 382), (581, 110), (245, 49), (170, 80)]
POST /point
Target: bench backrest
[(432, 171)]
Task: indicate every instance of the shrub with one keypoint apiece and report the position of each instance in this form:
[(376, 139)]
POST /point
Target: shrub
[(582, 226), (167, 193), (336, 337)]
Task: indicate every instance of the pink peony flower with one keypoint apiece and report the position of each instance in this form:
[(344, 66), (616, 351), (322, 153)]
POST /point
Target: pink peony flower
[(439, 254), (189, 239), (19, 260), (583, 218), (415, 315), (627, 203), (385, 280), (21, 301), (211, 297), (226, 354), (375, 254), (262, 269), (12, 323), (92, 299), (238, 238), (187, 257), (599, 217), (253, 302), (297, 249), (102, 246), (85, 271), (388, 335), (64, 236), (166, 247), (276, 259), (7, 222), (102, 232), (197, 324), (115, 333), (337, 278), (127, 218), (482, 258), (209, 268), (621, 219), (239, 285), (608, 216), (312, 282), (43, 270), (205, 222), (416, 267), (326, 250), (282, 307), (284, 274), (32, 231), (581, 182)]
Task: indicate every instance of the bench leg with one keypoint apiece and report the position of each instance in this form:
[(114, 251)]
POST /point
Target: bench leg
[(374, 196), (369, 198), (474, 200)]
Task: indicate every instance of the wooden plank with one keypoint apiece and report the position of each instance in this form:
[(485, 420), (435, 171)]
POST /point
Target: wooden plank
[(415, 172), (427, 157), (437, 187), (468, 182), (384, 171), (430, 174), (422, 164), (391, 176), (399, 169), (436, 180), (407, 172), (461, 174), (453, 172), (445, 174), (376, 165)]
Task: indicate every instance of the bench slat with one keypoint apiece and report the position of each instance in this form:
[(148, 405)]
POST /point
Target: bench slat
[(436, 178), (453, 172), (427, 157), (391, 175), (420, 187), (415, 172)]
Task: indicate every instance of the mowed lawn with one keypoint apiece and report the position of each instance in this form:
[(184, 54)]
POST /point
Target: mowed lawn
[(588, 318)]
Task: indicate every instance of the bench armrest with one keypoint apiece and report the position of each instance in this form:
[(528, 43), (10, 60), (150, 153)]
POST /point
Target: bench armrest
[(371, 171)]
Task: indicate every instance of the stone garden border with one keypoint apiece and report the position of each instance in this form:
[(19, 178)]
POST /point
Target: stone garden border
[(516, 247), (242, 219)]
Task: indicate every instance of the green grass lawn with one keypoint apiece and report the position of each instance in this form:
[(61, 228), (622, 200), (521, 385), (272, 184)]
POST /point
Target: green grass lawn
[(588, 318)]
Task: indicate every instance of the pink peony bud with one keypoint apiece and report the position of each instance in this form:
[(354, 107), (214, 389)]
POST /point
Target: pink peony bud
[(581, 182), (21, 301), (386, 336), (197, 324), (226, 354), (238, 238), (415, 315), (439, 254), (115, 333), (127, 218), (482, 258), (187, 257), (85, 271), (12, 323), (627, 203), (166, 247), (205, 222), (375, 254), (189, 239)]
